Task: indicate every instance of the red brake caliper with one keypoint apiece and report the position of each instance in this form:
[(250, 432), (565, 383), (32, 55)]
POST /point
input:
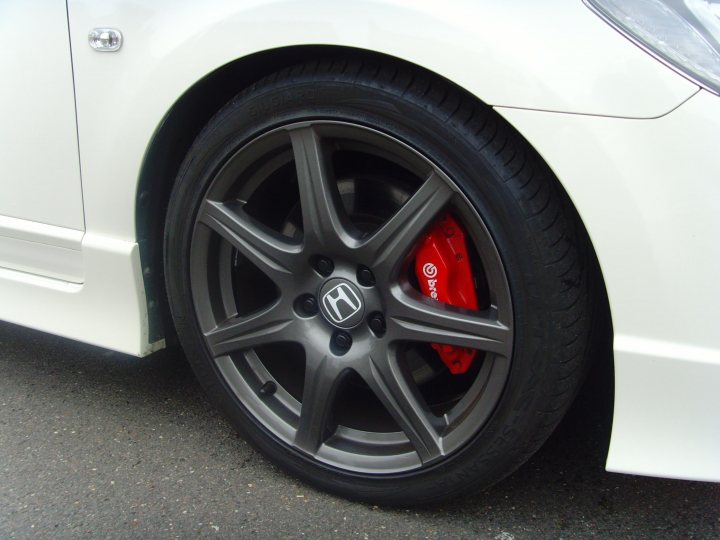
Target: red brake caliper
[(442, 266)]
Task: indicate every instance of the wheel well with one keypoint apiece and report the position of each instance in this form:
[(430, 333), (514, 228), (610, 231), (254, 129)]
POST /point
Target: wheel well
[(183, 123)]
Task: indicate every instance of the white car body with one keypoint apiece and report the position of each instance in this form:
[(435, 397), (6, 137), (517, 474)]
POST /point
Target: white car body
[(633, 143)]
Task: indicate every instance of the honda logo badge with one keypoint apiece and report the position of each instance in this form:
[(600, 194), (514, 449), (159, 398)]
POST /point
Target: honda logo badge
[(341, 303)]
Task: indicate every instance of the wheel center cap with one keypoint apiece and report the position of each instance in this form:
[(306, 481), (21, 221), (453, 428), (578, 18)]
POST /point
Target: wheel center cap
[(341, 303)]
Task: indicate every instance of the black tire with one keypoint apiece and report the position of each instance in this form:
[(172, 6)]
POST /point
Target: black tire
[(542, 246)]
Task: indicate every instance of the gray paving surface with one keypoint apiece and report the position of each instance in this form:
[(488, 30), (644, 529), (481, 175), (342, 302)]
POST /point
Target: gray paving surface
[(98, 444)]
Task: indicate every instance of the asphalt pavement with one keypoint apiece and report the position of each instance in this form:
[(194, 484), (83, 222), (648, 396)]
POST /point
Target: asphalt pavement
[(99, 444)]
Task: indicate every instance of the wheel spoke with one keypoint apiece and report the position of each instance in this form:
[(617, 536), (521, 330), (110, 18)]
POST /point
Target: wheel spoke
[(402, 400), (275, 257), (413, 317), (388, 246), (322, 378), (268, 326), (325, 224)]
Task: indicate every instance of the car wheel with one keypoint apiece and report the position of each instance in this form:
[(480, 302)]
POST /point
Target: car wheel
[(291, 247)]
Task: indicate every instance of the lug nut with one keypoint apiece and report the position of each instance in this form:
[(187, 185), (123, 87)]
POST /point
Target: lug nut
[(377, 324), (365, 276), (342, 341), (309, 305), (268, 389), (324, 265)]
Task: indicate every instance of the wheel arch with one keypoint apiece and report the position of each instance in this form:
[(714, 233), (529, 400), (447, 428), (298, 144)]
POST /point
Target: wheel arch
[(184, 121)]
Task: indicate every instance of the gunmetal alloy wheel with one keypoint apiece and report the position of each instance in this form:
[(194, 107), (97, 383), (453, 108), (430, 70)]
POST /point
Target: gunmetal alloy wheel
[(319, 309), (291, 239)]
